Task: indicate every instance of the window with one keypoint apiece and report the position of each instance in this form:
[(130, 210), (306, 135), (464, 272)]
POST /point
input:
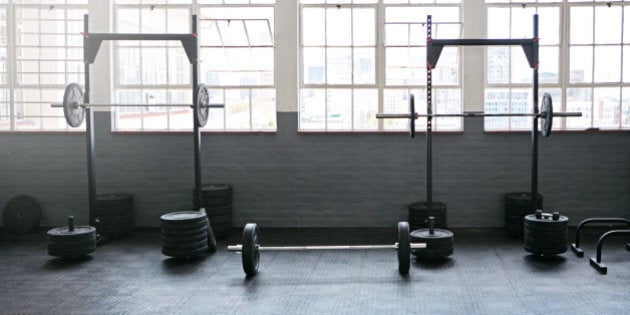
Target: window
[(353, 66), (237, 50), (237, 63), (48, 55), (594, 79)]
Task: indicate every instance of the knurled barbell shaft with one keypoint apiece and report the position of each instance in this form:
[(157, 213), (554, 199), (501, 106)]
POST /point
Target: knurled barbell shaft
[(326, 247), (138, 105), (477, 114)]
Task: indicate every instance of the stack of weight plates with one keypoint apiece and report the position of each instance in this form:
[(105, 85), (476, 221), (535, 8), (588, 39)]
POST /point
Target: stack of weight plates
[(71, 241), (113, 215), (440, 243), (419, 215), (546, 234), (185, 234), (217, 200), (517, 206)]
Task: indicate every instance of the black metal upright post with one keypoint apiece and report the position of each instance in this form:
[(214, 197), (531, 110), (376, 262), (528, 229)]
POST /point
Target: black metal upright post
[(89, 119), (196, 130), (535, 120), (429, 120)]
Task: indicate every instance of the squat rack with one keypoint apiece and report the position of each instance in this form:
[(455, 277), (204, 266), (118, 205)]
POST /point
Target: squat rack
[(530, 47), (91, 45)]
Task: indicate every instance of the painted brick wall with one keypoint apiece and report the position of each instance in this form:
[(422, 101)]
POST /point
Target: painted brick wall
[(289, 179)]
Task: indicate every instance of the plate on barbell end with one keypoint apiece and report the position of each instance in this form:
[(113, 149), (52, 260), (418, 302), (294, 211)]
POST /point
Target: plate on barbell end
[(183, 217), (202, 100), (73, 110), (21, 214), (547, 119), (404, 248), (250, 252)]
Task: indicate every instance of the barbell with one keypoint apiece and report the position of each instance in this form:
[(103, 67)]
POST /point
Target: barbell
[(74, 107), (546, 115), (250, 249)]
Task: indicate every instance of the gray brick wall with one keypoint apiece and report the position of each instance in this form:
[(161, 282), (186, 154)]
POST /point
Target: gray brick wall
[(312, 180)]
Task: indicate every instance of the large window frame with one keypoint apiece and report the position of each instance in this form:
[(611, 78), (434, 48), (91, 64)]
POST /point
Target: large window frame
[(250, 106), (383, 94), (569, 94), (40, 61)]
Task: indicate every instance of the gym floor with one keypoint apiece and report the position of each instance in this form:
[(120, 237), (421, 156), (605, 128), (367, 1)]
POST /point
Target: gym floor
[(489, 273)]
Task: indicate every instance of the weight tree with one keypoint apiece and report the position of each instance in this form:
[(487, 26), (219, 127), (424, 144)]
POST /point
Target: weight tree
[(76, 108)]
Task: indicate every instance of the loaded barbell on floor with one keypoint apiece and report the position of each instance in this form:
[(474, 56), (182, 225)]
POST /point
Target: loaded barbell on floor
[(74, 107), (250, 249), (546, 115)]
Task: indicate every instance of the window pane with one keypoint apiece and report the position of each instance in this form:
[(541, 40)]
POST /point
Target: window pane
[(498, 65), (339, 65), (237, 111), (365, 102), (313, 109), (606, 107), (363, 27), (607, 25), (549, 64), (607, 63), (579, 100), (625, 110), (314, 65), (263, 109), (521, 72), (364, 66), (339, 109), (581, 25), (313, 22), (581, 65), (338, 27)]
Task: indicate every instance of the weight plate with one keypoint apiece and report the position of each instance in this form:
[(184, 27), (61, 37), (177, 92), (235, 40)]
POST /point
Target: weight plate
[(185, 239), (217, 204), (183, 218), (214, 211), (185, 246), (412, 119), (100, 211), (181, 233), (404, 248), (73, 109), (21, 214), (185, 253), (114, 200), (250, 252), (202, 100), (79, 232), (425, 234), (71, 242), (72, 247), (216, 190), (71, 253), (185, 226), (547, 118), (523, 199)]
